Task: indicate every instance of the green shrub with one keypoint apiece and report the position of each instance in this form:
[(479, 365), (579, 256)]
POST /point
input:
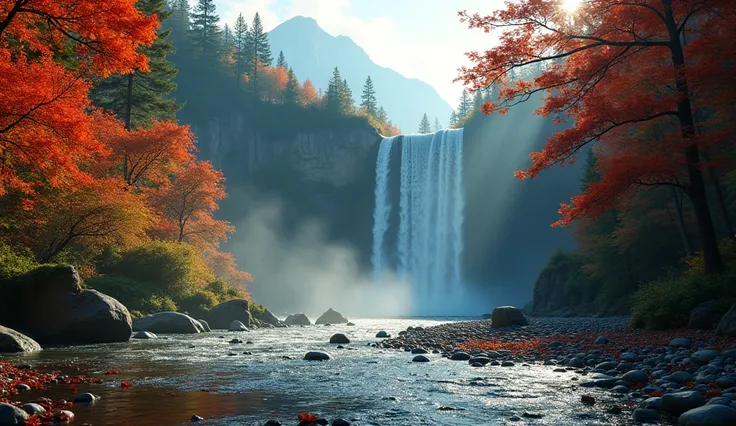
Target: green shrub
[(136, 296), (256, 309), (15, 262), (169, 268), (667, 303), (157, 303), (198, 303)]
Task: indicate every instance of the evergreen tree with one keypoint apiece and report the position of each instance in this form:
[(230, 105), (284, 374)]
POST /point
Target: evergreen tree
[(465, 106), (368, 100), (205, 32), (178, 23), (140, 97), (259, 52), (240, 34), (453, 120), (291, 94), (437, 125), (281, 62), (381, 115), (228, 39), (478, 100), (339, 95), (424, 126)]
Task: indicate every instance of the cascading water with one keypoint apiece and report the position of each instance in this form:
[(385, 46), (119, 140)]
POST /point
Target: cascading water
[(430, 216)]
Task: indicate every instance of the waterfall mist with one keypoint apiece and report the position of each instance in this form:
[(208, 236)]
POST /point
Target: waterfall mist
[(300, 270)]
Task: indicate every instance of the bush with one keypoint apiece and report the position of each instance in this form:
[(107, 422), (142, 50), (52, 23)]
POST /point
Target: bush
[(15, 262), (667, 303), (157, 303), (728, 255), (197, 304), (256, 309), (170, 268), (136, 296)]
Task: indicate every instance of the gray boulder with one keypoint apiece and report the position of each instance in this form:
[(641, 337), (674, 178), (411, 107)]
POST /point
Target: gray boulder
[(678, 402), (12, 415), (504, 316), (267, 317), (13, 342), (50, 306), (297, 319), (317, 356), (339, 338), (727, 325), (220, 316), (237, 326), (709, 415), (331, 316), (704, 356), (704, 316), (168, 323), (382, 335)]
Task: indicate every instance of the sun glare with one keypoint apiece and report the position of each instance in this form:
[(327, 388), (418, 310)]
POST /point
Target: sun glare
[(570, 6)]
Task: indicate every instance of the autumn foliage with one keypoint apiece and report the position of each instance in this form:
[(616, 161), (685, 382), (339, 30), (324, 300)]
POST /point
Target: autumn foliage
[(74, 183), (649, 82)]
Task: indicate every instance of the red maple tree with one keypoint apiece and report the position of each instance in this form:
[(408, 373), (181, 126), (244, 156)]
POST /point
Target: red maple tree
[(631, 76)]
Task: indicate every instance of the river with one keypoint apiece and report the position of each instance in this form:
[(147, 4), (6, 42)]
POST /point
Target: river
[(177, 376)]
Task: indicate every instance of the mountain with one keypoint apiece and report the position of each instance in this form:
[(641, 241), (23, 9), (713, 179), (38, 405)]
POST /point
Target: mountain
[(313, 54)]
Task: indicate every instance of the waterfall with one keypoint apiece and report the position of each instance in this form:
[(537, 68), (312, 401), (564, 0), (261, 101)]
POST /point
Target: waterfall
[(430, 216)]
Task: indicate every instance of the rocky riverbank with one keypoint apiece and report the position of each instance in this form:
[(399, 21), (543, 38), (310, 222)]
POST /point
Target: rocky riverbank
[(678, 376)]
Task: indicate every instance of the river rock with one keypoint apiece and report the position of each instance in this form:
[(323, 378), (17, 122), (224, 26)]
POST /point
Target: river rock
[(704, 316), (168, 323), (419, 351), (49, 305), (12, 415), (504, 316), (331, 316), (267, 317), (339, 338), (32, 408), (236, 325), (297, 319), (635, 376), (420, 358), (340, 422), (317, 356), (382, 335), (645, 415), (720, 400), (678, 402), (460, 356), (704, 356), (727, 325), (709, 415), (85, 398), (680, 342), (12, 341), (220, 316), (63, 416), (144, 335)]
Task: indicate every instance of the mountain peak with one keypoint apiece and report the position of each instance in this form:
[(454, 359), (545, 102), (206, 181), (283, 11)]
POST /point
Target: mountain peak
[(313, 53)]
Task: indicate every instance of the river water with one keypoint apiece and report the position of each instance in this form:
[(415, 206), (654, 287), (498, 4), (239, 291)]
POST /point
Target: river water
[(177, 376)]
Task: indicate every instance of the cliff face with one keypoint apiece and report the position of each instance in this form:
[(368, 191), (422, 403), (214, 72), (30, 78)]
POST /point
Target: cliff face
[(241, 149)]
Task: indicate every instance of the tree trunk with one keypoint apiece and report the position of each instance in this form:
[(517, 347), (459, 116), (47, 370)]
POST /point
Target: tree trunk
[(680, 220), (696, 192)]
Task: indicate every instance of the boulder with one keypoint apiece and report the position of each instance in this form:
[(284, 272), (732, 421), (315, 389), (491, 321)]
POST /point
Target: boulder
[(709, 415), (168, 323), (727, 325), (331, 316), (49, 305), (704, 316), (678, 402), (12, 415), (704, 356), (265, 316), (339, 338), (317, 356), (237, 326), (420, 358), (297, 319), (144, 335), (382, 335), (13, 342), (504, 316), (220, 316)]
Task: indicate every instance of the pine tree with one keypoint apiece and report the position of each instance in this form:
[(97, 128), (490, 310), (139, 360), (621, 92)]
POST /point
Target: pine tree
[(335, 96), (424, 126), (437, 125), (240, 35), (140, 97), (368, 100), (259, 52), (205, 32), (281, 62), (178, 23), (228, 39), (478, 100), (291, 94), (453, 120), (465, 106), (381, 115), (347, 103)]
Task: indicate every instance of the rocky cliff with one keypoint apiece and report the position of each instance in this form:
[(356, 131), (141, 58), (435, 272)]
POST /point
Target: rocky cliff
[(242, 148)]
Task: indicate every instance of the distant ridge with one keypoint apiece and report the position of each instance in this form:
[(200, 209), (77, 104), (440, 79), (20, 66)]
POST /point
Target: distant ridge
[(313, 53)]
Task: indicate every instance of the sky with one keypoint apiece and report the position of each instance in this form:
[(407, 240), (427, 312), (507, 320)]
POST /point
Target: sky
[(421, 39)]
